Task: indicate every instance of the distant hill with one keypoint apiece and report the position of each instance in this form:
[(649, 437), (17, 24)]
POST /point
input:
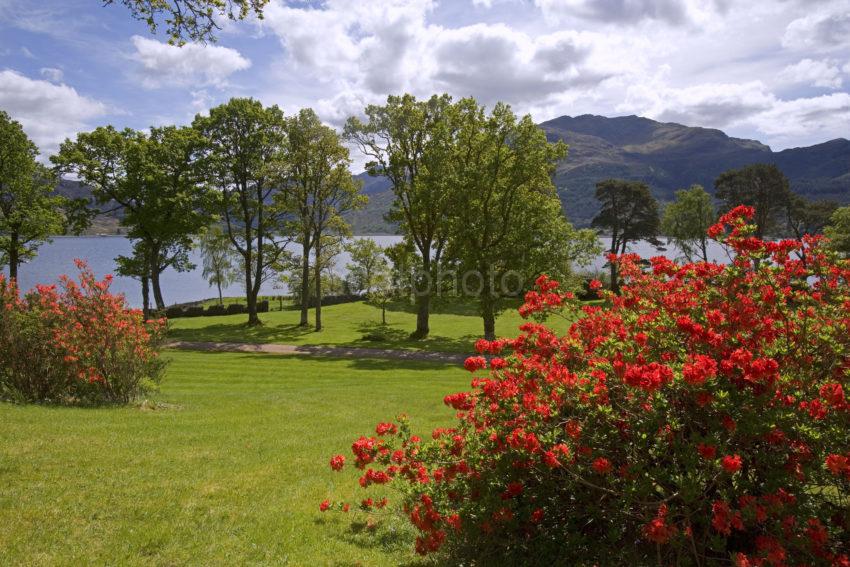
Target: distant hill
[(666, 156), (670, 156)]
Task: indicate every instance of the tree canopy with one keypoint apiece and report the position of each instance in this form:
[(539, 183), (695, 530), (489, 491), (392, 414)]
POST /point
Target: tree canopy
[(686, 221), (244, 162), (410, 142), (630, 213), (762, 186), (154, 179)]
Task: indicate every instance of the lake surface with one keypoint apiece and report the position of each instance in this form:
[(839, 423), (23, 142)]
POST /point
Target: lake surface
[(57, 258), (99, 252)]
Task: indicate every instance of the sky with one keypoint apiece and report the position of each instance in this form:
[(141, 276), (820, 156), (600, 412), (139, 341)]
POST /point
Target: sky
[(773, 70)]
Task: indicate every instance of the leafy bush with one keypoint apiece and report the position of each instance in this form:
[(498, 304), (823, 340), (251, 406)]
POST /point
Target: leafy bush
[(75, 343), (215, 309), (699, 418), (193, 311), (263, 306), (174, 312), (235, 309)]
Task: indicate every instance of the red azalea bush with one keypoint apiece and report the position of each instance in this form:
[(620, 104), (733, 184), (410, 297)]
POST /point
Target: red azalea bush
[(699, 418), (76, 342)]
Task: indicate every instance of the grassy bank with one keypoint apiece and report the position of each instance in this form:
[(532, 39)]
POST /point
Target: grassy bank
[(228, 469), (454, 327)]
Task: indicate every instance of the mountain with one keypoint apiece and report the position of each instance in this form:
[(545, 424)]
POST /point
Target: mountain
[(667, 157), (664, 155)]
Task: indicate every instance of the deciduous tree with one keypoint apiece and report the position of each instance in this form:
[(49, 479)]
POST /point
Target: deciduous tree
[(630, 213), (507, 226), (319, 189), (686, 220), (154, 179), (367, 262), (762, 186), (410, 142), (218, 259), (244, 160)]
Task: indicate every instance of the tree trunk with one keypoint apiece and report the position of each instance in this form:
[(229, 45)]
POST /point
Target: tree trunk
[(250, 292), (423, 299), (157, 290), (383, 314), (318, 275), (146, 297), (305, 284), (14, 258), (253, 318), (220, 298), (489, 316)]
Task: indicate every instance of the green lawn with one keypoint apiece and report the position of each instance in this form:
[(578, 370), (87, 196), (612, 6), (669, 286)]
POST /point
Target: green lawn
[(454, 327), (229, 468)]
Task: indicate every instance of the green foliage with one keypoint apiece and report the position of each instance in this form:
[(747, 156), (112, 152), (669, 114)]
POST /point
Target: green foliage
[(762, 186), (30, 211), (218, 259), (629, 212), (686, 220), (368, 264), (838, 231), (190, 20), (154, 179), (243, 159), (410, 142), (506, 224), (808, 217)]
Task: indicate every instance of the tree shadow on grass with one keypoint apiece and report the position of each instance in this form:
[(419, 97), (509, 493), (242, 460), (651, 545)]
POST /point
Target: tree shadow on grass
[(377, 335), (240, 332)]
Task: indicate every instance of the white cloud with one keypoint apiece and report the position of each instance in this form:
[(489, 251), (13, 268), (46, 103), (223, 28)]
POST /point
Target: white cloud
[(193, 64), (363, 52), (52, 74), (815, 119), (714, 105), (48, 112), (676, 12), (821, 30), (824, 74)]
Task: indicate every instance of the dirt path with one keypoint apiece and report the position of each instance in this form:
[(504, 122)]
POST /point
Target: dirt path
[(314, 350)]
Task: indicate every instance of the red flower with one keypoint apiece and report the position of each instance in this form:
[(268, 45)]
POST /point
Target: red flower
[(337, 462), (837, 464), (386, 428), (731, 463), (699, 369), (707, 452), (602, 465), (474, 363), (658, 530), (324, 505), (513, 490)]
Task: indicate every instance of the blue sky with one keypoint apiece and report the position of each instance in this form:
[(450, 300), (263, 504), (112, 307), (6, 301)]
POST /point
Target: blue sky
[(777, 71)]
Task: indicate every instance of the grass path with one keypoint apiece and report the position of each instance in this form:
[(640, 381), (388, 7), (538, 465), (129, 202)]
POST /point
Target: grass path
[(314, 350), (227, 470), (455, 326)]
